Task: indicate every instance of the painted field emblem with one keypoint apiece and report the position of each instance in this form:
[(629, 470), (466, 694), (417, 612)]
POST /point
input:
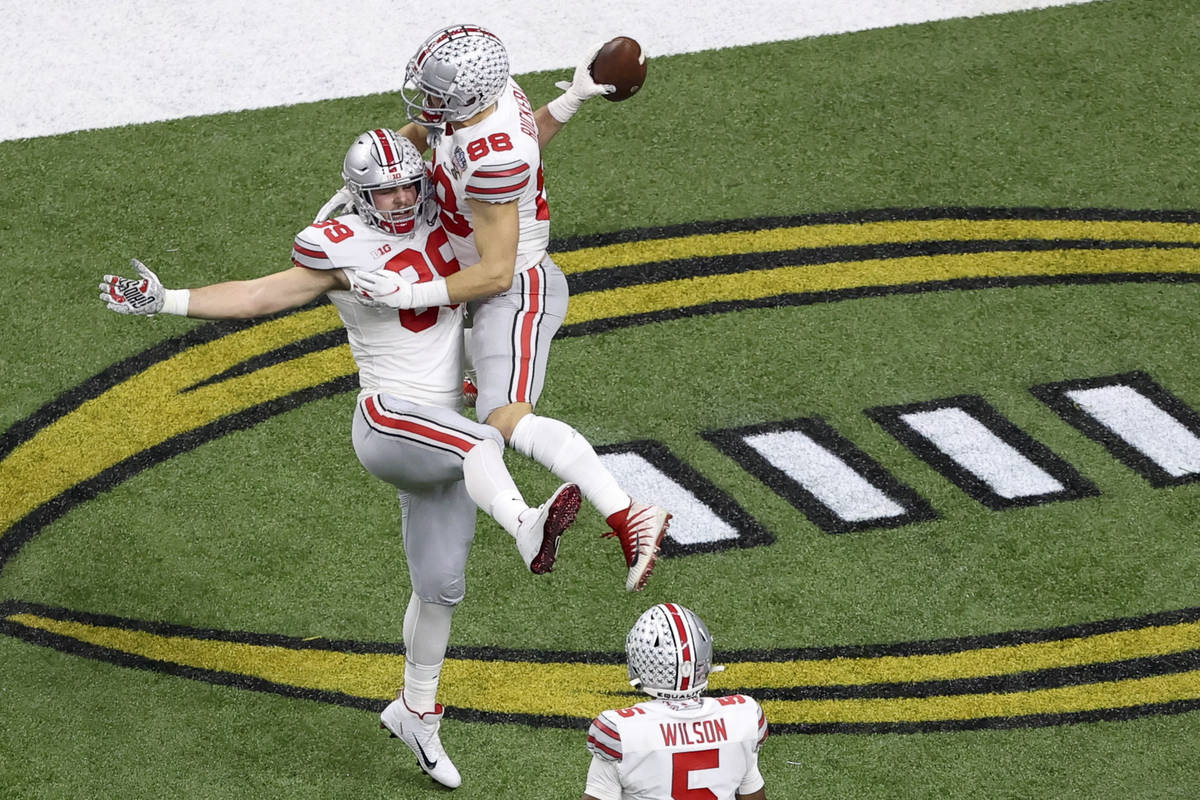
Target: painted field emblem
[(224, 377)]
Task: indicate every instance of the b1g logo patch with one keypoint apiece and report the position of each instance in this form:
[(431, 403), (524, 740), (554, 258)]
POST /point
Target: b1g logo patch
[(930, 386)]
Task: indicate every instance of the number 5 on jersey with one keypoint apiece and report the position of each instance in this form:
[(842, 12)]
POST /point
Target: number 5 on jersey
[(687, 762)]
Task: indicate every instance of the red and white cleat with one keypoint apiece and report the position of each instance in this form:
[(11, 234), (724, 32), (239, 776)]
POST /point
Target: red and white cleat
[(640, 529), (538, 535), (470, 393)]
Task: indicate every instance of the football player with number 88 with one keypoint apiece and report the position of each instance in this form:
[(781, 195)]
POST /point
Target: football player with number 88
[(487, 172), (407, 429)]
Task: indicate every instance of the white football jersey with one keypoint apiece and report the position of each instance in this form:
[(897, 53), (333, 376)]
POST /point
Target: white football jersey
[(664, 749), (496, 160), (414, 354)]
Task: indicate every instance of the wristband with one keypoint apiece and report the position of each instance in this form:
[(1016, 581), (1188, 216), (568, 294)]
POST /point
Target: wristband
[(429, 294), (563, 107), (175, 301)]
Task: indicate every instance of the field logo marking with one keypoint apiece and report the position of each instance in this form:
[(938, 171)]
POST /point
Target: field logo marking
[(229, 376)]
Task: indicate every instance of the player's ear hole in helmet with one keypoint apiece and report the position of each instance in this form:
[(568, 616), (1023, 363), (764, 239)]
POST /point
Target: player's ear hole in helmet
[(381, 160), (669, 653), (456, 73)]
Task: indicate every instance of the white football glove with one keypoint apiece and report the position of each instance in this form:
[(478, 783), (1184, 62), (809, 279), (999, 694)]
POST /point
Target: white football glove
[(341, 198), (384, 288), (581, 83), (581, 87), (143, 295)]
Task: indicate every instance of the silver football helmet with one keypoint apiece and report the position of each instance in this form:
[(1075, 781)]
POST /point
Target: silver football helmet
[(382, 159), (458, 72), (669, 652)]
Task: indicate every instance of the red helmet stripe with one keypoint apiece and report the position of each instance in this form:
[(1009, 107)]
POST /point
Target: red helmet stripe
[(677, 620), (680, 625), (385, 146), (449, 33)]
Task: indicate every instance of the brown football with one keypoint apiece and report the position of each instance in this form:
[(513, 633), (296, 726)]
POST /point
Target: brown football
[(621, 63)]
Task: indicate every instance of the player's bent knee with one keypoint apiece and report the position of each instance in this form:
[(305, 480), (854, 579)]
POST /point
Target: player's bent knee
[(505, 418), (447, 600), (449, 592)]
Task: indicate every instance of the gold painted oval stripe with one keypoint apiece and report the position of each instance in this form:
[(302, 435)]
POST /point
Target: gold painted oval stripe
[(577, 690), (842, 234), (1147, 642), (152, 406), (369, 675), (873, 273), (113, 427), (1103, 696)]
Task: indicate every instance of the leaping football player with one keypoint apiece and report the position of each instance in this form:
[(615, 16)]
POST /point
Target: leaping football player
[(681, 743), (488, 176), (407, 429)]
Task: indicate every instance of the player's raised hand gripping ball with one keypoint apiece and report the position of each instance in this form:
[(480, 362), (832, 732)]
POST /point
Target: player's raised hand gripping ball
[(620, 63)]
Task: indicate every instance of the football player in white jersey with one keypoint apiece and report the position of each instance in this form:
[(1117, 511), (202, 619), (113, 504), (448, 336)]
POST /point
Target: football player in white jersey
[(680, 744), (407, 429), (487, 171)]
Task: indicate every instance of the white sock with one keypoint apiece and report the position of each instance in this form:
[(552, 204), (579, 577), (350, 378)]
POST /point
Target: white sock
[(561, 449), (421, 685), (491, 487), (426, 637), (467, 361)]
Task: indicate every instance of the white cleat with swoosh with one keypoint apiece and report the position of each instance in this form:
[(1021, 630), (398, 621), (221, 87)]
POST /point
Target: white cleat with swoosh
[(420, 733)]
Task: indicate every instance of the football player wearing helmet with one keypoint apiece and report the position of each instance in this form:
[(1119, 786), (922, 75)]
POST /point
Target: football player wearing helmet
[(680, 742), (406, 428), (490, 187)]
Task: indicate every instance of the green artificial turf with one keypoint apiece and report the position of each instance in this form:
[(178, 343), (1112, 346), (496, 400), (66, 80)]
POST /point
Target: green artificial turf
[(277, 529)]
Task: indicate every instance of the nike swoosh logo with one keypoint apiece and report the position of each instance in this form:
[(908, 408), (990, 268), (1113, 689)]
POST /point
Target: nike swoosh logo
[(424, 758)]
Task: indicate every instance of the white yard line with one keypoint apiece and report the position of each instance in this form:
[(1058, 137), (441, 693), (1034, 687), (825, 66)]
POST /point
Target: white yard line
[(74, 64)]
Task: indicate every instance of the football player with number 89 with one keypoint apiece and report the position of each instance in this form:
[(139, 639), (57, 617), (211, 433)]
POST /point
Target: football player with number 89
[(487, 172), (406, 430)]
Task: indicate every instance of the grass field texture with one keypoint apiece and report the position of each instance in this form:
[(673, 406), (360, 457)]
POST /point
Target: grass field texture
[(220, 618)]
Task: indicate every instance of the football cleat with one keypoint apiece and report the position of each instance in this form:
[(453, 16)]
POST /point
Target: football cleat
[(420, 733), (470, 393), (538, 534), (640, 529)]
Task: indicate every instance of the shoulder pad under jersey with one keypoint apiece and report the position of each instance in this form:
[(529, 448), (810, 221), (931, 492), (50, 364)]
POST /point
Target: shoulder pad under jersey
[(604, 738)]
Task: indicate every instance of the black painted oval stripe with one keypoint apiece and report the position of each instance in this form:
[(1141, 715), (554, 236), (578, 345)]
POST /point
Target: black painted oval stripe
[(1180, 665), (107, 641)]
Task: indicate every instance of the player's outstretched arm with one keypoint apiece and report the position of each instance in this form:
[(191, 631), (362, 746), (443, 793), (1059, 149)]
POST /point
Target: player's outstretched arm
[(279, 291), (270, 294), (553, 116)]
